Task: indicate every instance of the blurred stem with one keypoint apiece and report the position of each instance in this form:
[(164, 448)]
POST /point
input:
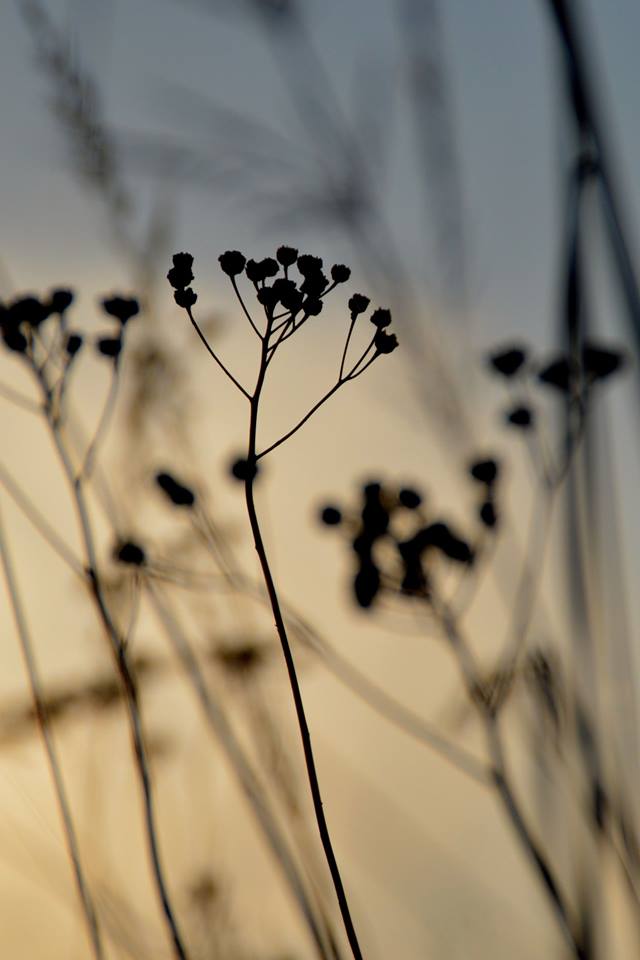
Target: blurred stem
[(86, 899), (288, 656), (251, 787), (503, 784), (122, 665)]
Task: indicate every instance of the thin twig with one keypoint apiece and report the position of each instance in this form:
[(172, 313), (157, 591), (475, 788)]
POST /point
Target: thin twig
[(42, 525), (243, 305), (288, 656), (122, 666), (504, 788), (87, 466), (84, 893), (251, 787), (302, 422), (215, 356)]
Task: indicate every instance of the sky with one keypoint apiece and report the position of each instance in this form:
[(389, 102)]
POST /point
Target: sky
[(210, 85)]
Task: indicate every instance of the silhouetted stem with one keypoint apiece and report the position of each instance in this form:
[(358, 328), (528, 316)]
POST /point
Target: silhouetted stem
[(244, 307), (124, 672), (41, 524), (17, 398), (86, 899), (354, 317), (107, 410), (248, 780), (502, 781), (302, 422), (288, 656), (213, 354)]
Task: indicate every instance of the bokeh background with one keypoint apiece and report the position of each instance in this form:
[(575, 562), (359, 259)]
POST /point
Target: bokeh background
[(428, 146)]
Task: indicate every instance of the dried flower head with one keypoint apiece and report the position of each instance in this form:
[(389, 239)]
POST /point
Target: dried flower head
[(121, 308), (232, 262)]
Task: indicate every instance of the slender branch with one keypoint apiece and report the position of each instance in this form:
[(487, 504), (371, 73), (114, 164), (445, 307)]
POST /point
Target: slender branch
[(243, 305), (42, 525), (87, 465), (17, 398), (124, 671), (88, 907), (504, 788), (289, 661), (251, 787), (354, 317), (302, 422), (214, 355)]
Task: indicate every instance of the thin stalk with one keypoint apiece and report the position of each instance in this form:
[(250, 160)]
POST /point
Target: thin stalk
[(124, 671), (289, 661), (41, 524), (504, 787), (251, 787), (213, 354), (300, 423), (244, 307), (107, 410), (354, 317), (392, 710), (73, 849)]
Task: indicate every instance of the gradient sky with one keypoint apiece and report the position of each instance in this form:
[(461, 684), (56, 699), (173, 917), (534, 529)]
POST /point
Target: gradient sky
[(509, 110)]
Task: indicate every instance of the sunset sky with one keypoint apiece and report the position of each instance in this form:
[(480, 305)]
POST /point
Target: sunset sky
[(433, 869)]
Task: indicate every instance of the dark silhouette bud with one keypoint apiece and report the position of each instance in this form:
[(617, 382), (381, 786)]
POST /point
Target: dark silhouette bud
[(441, 537), (181, 274), (409, 498), (358, 303), (521, 417), (330, 516), (253, 271), (385, 342), (508, 361), (312, 307), (340, 273), (14, 339), (179, 495), (314, 284), (600, 363), (366, 584), (73, 343), (287, 293), (241, 469), (232, 262), (185, 298), (484, 471), (487, 514), (287, 256), (380, 318), (269, 267), (557, 374), (60, 300), (109, 347), (268, 297), (308, 265), (28, 310), (130, 553), (121, 308)]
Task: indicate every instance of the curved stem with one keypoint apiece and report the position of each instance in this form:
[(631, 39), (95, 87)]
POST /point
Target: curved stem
[(504, 787), (244, 307), (88, 907), (290, 664), (249, 782), (302, 422), (124, 671), (89, 459), (212, 353)]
